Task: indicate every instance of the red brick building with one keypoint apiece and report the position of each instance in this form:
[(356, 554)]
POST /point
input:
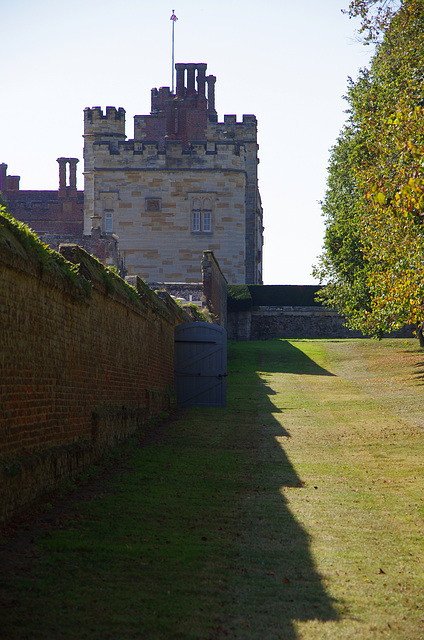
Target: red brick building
[(57, 217)]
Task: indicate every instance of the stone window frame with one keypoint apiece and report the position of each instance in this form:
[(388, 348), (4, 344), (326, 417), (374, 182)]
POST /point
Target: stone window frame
[(108, 221), (202, 212), (108, 206)]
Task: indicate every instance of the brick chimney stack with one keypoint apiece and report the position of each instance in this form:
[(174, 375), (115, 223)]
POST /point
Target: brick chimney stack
[(212, 115), (182, 115), (3, 174), (8, 183), (66, 190)]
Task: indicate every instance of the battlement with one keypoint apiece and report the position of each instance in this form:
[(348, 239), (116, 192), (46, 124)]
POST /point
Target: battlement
[(150, 154), (232, 119), (112, 123), (245, 131), (159, 98)]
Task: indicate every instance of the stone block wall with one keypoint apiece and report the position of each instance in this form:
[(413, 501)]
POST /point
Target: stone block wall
[(149, 198), (261, 312), (298, 322), (264, 323), (85, 360), (187, 291)]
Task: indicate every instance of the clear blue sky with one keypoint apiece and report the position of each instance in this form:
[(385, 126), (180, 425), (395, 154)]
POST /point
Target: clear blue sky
[(286, 62)]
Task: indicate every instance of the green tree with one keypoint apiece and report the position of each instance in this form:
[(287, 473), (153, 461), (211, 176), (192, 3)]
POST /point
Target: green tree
[(343, 264), (374, 240), (393, 228)]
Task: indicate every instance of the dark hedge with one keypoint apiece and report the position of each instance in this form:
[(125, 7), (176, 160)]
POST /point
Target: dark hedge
[(242, 297)]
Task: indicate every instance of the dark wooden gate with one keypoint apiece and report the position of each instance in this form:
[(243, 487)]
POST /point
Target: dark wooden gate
[(201, 364)]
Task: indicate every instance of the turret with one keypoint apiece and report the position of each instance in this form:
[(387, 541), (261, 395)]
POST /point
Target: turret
[(99, 127), (102, 127)]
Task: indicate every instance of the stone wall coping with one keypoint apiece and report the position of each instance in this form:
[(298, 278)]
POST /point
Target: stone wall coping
[(295, 309)]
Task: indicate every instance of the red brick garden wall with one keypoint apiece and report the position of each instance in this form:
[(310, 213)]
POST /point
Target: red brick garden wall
[(214, 288), (85, 361)]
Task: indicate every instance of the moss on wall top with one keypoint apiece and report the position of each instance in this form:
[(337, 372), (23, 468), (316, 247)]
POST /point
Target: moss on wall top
[(17, 238), (77, 270)]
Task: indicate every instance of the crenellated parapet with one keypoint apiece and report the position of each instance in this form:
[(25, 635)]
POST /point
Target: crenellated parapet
[(99, 124), (106, 142), (246, 130), (148, 154)]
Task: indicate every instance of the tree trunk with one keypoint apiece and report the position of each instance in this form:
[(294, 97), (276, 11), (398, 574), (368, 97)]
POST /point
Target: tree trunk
[(420, 335)]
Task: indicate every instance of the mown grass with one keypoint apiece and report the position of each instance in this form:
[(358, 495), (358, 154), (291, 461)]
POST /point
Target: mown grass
[(294, 513)]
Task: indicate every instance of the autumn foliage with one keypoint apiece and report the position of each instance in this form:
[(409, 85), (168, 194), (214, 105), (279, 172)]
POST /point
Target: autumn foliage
[(373, 257)]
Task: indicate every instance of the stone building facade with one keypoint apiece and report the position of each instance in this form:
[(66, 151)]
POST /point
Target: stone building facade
[(184, 184)]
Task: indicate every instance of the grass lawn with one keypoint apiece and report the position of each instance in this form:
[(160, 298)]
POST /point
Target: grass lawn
[(295, 513)]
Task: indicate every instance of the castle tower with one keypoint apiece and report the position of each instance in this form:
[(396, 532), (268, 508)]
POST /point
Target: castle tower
[(109, 129), (184, 184)]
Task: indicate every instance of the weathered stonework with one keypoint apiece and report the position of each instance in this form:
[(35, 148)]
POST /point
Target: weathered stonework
[(186, 183), (286, 311)]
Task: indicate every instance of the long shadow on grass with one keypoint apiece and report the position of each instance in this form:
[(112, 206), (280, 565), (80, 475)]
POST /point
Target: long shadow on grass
[(193, 539), (274, 579)]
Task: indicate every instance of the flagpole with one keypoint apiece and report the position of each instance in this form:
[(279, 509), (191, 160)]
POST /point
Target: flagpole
[(173, 19), (173, 49)]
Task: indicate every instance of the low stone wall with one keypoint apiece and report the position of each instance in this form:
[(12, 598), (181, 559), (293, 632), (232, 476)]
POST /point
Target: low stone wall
[(191, 292), (299, 322), (85, 361), (263, 323)]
